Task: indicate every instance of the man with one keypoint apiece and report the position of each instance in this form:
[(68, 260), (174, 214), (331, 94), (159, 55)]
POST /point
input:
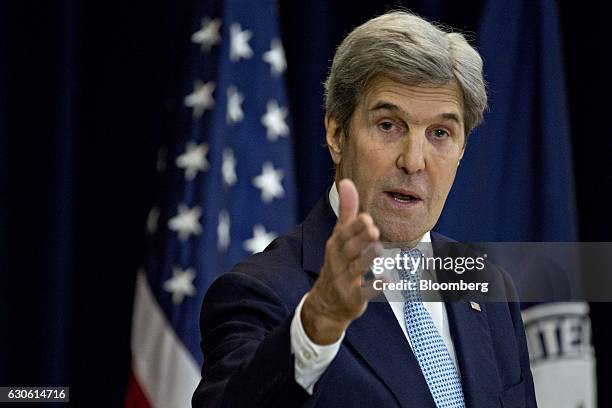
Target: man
[(291, 326)]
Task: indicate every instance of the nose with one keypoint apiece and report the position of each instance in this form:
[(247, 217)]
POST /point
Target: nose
[(411, 158)]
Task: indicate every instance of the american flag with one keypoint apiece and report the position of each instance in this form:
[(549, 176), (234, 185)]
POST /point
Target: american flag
[(232, 191)]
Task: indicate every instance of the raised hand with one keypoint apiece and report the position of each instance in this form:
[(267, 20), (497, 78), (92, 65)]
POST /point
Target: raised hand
[(337, 298)]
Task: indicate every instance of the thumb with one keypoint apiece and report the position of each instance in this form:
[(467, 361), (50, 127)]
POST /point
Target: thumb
[(349, 200)]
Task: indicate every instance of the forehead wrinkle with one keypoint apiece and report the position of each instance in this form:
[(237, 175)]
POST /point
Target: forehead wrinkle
[(385, 105), (385, 91)]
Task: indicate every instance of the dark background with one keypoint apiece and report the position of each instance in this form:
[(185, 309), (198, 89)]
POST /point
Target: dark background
[(83, 95)]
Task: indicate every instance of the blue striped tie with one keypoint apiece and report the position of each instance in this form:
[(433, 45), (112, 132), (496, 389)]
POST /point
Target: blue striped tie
[(427, 343)]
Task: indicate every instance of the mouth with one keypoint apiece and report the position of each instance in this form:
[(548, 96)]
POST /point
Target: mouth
[(403, 198)]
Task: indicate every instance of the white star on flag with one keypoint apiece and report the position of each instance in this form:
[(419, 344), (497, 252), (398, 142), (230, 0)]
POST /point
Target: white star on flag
[(228, 167), (223, 231), (234, 105), (208, 34), (193, 160), (180, 284), (274, 121), (239, 43), (260, 239), (186, 223), (276, 57), (152, 220), (269, 182), (201, 98)]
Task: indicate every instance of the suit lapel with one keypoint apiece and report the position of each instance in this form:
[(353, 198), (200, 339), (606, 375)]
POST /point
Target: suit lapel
[(378, 338), (316, 229), (474, 349)]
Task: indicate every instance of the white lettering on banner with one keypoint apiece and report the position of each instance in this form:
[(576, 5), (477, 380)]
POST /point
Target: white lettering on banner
[(561, 355)]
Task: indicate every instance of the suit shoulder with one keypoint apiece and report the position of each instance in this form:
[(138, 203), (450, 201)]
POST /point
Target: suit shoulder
[(278, 268)]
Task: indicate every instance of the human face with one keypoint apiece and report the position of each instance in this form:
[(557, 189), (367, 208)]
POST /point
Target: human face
[(401, 151)]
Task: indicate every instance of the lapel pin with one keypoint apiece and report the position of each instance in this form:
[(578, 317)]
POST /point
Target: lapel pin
[(475, 306)]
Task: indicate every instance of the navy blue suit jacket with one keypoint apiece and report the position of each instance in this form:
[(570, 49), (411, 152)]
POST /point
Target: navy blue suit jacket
[(245, 326)]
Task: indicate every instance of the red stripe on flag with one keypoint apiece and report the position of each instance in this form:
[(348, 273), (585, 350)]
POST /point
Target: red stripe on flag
[(135, 398)]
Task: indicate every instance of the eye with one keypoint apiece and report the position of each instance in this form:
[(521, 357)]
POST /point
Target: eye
[(386, 126), (440, 133), (390, 129)]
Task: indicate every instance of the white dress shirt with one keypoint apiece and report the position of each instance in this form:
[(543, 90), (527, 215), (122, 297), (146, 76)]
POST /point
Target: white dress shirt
[(311, 359)]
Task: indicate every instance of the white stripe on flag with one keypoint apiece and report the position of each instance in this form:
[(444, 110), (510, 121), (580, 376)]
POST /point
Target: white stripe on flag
[(163, 366)]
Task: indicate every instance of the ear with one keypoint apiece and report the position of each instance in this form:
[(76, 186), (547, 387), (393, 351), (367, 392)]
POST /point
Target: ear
[(334, 137)]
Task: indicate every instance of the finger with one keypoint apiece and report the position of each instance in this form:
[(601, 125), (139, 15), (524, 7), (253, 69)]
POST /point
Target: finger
[(354, 247), (368, 255), (362, 264), (372, 251), (345, 232), (349, 200), (372, 288)]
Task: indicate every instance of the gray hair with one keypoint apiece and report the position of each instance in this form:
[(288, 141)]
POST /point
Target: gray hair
[(409, 50)]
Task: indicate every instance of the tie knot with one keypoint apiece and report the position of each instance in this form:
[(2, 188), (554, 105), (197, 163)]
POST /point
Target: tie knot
[(411, 261), (411, 253), (410, 271)]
